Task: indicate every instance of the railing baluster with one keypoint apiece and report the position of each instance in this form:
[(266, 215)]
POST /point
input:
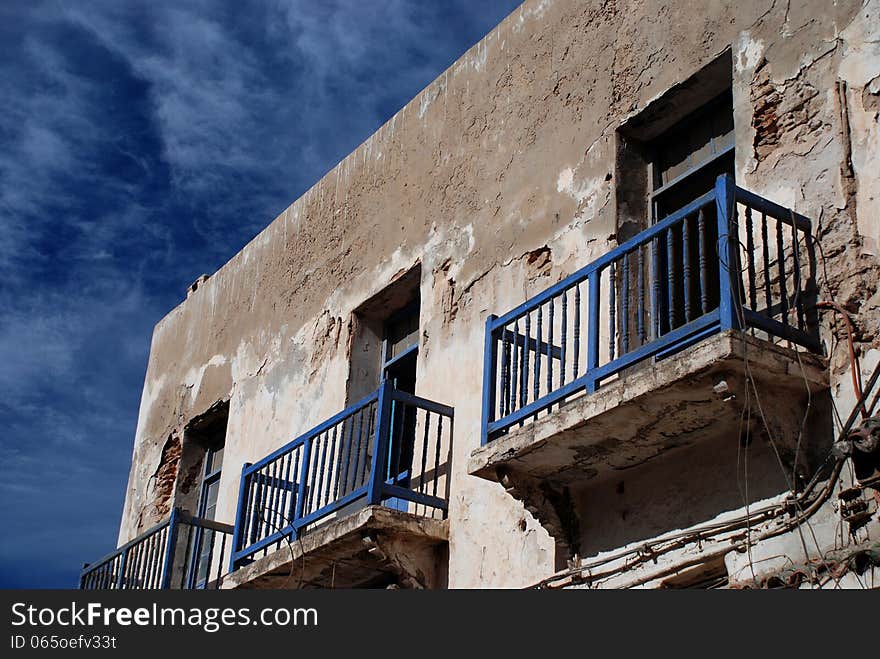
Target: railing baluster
[(437, 453), (281, 504), (150, 552), (730, 281), (268, 507), (346, 463), (640, 306), (147, 565), (686, 267), (670, 278), (117, 575), (750, 259), (577, 330), (127, 571), (563, 341), (247, 483), (141, 565), (325, 438), (266, 512), (737, 288), (149, 562), (765, 240), (516, 389), (537, 374), (656, 305), (250, 530), (425, 452), (490, 378), (310, 475), (357, 454), (265, 479), (395, 436), (291, 485), (797, 282), (704, 266), (550, 346), (505, 374), (264, 501), (259, 508), (612, 310), (259, 479), (380, 442), (153, 554), (780, 258), (524, 390), (371, 415), (302, 482), (210, 539), (162, 548), (523, 360), (294, 485), (220, 560), (166, 554), (189, 555), (333, 462), (276, 499), (593, 325), (624, 306), (134, 561)]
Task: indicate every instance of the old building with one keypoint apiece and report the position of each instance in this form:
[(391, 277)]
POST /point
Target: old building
[(591, 310)]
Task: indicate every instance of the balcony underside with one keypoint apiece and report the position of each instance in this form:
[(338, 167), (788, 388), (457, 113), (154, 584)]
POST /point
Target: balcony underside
[(375, 547), (679, 401)]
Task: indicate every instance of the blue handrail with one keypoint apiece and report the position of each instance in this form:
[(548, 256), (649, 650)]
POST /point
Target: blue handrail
[(696, 272)]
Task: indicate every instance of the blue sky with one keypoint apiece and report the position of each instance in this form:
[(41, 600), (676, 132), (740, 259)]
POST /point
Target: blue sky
[(142, 144)]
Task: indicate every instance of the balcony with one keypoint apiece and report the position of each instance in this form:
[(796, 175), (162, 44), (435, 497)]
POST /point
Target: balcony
[(665, 343), (359, 500), (183, 552)]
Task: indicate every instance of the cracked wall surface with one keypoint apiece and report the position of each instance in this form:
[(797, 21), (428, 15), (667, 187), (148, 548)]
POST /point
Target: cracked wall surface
[(498, 180)]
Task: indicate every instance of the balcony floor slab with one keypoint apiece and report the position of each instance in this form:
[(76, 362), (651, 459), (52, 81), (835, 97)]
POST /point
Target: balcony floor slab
[(373, 547), (696, 393)]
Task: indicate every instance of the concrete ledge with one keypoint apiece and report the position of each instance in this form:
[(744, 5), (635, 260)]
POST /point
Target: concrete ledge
[(373, 547), (696, 393)]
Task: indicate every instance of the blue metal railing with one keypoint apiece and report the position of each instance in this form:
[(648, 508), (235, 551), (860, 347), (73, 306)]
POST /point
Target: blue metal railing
[(390, 448), (728, 260), (183, 552)]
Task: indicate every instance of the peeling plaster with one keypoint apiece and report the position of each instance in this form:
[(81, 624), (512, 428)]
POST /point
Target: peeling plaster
[(498, 191)]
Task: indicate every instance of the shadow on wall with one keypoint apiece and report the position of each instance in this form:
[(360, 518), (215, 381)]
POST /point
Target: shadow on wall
[(691, 484)]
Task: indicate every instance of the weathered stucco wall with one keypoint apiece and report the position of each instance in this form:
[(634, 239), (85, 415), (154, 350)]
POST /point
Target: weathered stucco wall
[(499, 179)]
